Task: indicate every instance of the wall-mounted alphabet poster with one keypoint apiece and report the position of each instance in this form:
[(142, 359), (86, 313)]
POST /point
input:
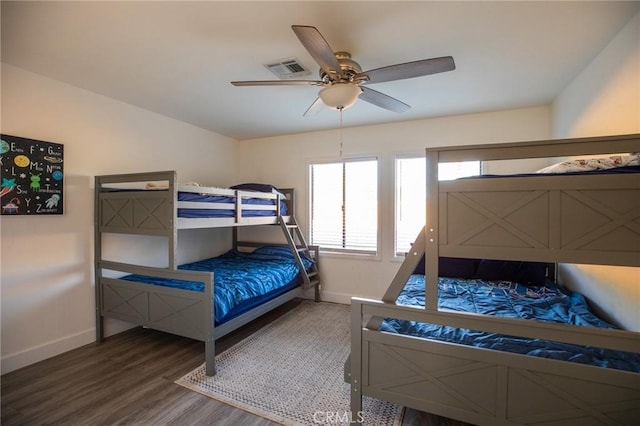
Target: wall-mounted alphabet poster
[(32, 176)]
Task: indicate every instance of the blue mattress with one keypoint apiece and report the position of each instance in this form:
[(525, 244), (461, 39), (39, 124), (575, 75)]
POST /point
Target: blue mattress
[(241, 280), (195, 213), (511, 300)]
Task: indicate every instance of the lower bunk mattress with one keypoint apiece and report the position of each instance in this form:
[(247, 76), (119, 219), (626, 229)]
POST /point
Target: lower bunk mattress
[(549, 303), (242, 281)]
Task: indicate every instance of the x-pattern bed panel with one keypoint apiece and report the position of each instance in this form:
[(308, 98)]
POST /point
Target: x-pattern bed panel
[(439, 376), (154, 307), (126, 302), (603, 223), (177, 313), (122, 212), (449, 382), (496, 218), (610, 219)]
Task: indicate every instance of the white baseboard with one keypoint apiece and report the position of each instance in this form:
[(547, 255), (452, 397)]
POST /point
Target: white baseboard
[(55, 347), (46, 350)]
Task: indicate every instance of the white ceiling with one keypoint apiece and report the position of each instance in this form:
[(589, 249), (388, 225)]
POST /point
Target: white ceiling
[(177, 58)]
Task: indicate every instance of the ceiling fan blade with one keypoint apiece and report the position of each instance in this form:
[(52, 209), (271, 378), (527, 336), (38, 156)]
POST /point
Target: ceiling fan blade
[(318, 48), (409, 70), (384, 101), (315, 108), (278, 83)]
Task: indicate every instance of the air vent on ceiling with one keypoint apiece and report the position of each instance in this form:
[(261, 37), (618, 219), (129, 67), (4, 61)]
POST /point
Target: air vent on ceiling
[(287, 68)]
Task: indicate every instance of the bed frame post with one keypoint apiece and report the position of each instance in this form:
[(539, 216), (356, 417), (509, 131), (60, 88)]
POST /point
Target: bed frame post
[(97, 249), (173, 237), (431, 232), (210, 357), (356, 359), (210, 338)]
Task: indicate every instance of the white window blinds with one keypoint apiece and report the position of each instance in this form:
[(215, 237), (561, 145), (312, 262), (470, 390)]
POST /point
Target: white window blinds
[(344, 205)]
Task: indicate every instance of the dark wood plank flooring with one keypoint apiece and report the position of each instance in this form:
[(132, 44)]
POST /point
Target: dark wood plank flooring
[(129, 379)]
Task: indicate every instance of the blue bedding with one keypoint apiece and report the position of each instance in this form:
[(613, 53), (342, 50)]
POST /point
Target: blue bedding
[(194, 213), (241, 280), (512, 300)]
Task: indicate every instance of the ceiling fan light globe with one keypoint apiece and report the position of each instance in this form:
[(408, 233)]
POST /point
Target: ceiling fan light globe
[(340, 95)]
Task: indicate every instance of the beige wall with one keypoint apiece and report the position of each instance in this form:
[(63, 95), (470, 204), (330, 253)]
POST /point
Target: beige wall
[(46, 285), (283, 161), (605, 99)]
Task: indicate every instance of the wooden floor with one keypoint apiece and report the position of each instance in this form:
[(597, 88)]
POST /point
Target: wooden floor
[(129, 379)]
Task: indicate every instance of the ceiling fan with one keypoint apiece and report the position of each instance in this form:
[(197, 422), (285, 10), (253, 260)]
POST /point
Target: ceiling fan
[(343, 80)]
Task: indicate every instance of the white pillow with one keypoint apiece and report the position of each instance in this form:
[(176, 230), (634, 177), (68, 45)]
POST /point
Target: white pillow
[(589, 164)]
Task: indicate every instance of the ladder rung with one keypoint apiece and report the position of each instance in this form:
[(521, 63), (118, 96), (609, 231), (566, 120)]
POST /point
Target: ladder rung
[(302, 249), (312, 274), (292, 226)]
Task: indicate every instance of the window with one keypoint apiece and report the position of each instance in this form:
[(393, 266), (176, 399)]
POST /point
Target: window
[(344, 205), (450, 171), (411, 192)]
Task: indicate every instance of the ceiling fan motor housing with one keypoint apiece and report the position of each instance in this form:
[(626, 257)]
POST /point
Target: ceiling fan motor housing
[(348, 66)]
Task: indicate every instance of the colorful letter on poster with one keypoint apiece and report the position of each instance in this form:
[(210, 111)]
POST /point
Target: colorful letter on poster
[(32, 176)]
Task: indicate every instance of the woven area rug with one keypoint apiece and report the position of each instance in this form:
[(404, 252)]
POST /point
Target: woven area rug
[(291, 371)]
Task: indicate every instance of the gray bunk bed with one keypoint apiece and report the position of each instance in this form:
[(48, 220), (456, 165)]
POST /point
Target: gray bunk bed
[(581, 219), (155, 204)]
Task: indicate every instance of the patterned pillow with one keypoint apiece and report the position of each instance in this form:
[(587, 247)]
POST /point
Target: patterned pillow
[(589, 164)]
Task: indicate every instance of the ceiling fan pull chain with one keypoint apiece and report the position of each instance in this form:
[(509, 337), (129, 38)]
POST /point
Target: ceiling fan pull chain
[(341, 140)]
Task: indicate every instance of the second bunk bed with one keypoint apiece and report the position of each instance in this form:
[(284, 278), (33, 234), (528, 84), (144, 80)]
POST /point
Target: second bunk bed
[(507, 346), (207, 299)]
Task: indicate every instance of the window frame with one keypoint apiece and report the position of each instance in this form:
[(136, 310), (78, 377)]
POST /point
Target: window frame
[(396, 197), (341, 252)]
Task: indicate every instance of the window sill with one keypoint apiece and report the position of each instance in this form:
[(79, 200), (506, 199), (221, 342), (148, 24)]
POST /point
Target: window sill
[(350, 255)]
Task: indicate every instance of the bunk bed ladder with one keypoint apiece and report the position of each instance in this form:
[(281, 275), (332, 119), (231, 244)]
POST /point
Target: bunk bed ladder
[(299, 247)]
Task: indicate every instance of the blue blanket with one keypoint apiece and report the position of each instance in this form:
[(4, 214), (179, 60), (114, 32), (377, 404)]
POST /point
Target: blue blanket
[(241, 280), (246, 202), (511, 300)]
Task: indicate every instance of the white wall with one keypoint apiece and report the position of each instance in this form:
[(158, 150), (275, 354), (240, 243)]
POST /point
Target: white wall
[(283, 161), (605, 99), (46, 283)]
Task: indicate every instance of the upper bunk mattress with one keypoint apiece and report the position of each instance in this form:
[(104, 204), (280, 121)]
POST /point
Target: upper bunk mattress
[(507, 299), (246, 212)]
